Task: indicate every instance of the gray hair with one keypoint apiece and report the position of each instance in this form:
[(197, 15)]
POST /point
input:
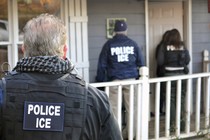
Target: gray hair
[(44, 35)]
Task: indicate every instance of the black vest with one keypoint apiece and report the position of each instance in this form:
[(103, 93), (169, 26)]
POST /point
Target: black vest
[(48, 109), (175, 58)]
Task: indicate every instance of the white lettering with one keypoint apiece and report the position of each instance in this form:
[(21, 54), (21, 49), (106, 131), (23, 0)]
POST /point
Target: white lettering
[(47, 123), (51, 113), (41, 110), (122, 50), (37, 122), (43, 123), (57, 110), (118, 50), (122, 58), (122, 53), (30, 108), (36, 110), (44, 110), (131, 50), (112, 51)]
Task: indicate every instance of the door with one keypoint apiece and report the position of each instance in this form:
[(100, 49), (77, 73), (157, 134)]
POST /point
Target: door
[(163, 16)]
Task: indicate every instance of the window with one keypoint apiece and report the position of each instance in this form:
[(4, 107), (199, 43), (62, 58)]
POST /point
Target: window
[(4, 36), (25, 10), (28, 9)]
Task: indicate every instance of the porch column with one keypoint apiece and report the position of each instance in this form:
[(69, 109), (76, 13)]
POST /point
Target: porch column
[(143, 105), (78, 43)]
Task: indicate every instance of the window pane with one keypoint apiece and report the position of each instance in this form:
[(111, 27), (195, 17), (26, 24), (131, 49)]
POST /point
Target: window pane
[(28, 9), (4, 34), (3, 60)]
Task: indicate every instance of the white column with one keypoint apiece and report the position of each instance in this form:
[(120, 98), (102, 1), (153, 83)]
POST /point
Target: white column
[(143, 106), (78, 47)]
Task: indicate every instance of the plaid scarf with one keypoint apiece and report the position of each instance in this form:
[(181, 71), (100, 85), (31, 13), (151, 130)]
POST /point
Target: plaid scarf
[(44, 64)]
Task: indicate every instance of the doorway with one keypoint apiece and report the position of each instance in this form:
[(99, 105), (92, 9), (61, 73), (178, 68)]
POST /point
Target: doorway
[(163, 16)]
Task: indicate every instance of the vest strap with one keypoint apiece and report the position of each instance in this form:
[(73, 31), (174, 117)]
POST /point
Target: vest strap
[(3, 86), (85, 111)]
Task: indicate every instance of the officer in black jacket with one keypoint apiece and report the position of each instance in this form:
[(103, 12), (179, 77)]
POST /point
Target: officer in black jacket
[(173, 59), (41, 99), (120, 59)]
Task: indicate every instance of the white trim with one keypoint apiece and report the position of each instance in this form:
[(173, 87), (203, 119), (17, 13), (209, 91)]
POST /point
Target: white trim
[(9, 47), (147, 31), (79, 47), (5, 43), (64, 15), (189, 26), (15, 33), (78, 19), (174, 68)]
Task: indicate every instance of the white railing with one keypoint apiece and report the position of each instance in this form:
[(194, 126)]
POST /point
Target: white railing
[(144, 84), (206, 62)]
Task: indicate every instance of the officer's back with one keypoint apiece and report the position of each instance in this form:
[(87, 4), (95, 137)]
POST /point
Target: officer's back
[(42, 99)]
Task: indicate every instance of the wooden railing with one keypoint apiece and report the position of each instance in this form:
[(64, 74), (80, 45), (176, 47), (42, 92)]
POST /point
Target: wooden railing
[(193, 94)]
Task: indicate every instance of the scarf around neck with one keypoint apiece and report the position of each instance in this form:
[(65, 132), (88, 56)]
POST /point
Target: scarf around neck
[(44, 64)]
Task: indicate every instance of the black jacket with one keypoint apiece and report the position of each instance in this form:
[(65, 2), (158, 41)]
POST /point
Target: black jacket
[(120, 58), (79, 101), (171, 58)]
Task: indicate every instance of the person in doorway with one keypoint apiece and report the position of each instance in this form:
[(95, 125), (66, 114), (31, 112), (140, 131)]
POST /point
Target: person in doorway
[(43, 99), (160, 71), (174, 57), (120, 59)]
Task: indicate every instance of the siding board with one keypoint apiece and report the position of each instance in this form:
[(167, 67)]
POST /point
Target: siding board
[(200, 32), (202, 27)]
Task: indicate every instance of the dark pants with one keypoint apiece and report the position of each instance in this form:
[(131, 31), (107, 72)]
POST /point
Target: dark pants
[(173, 102), (162, 96)]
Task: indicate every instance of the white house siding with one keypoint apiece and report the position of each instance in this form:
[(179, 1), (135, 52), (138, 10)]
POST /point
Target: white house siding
[(99, 11)]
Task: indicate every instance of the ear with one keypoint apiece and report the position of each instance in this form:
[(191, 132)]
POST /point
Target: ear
[(23, 48), (64, 51)]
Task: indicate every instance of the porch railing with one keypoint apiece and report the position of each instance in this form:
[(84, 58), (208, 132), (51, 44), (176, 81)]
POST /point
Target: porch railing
[(144, 85)]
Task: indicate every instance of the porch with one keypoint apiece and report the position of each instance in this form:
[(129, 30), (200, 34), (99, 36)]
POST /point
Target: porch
[(196, 106), (201, 135)]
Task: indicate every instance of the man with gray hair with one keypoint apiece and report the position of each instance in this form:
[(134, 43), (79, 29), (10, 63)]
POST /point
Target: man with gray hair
[(41, 99)]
